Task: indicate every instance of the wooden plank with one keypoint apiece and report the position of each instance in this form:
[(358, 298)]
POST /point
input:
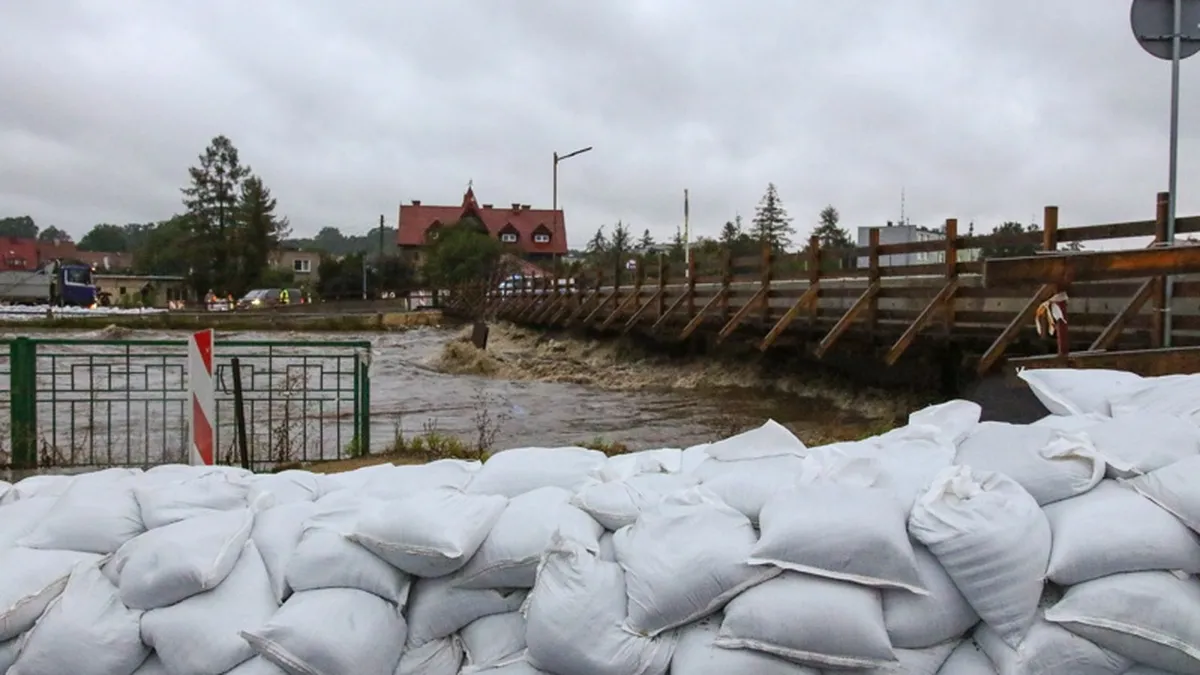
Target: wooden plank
[(873, 276), (1067, 268), (1112, 331), (1010, 332), (1145, 362), (663, 316), (809, 297), (951, 273), (843, 324), (640, 311), (944, 296), (592, 315), (629, 299), (587, 300), (743, 312), (699, 318)]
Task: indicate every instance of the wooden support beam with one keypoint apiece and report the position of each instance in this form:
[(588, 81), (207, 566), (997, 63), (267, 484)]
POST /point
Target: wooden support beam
[(743, 312), (546, 310), (872, 312), (807, 299), (691, 284), (1145, 362), (843, 324), (592, 315), (587, 300), (612, 316), (726, 282), (1108, 337), (699, 318), (1010, 332), (935, 306), (1066, 268), (637, 314), (664, 277), (662, 317), (1158, 324), (951, 260), (814, 278), (768, 273)]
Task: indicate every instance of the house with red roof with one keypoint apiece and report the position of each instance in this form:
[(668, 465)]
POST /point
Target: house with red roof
[(538, 235)]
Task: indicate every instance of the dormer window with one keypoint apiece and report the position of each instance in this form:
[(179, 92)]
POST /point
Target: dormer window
[(508, 237), (541, 238)]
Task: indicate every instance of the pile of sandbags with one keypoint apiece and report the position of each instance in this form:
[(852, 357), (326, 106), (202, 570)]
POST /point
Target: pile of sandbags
[(948, 546)]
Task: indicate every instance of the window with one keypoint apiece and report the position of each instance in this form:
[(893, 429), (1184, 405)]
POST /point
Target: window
[(81, 276), (302, 265), (508, 237), (541, 238)]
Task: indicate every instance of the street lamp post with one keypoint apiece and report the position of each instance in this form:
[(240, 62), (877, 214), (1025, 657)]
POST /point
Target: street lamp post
[(554, 197)]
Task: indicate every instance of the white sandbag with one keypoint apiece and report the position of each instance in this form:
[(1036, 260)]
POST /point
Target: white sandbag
[(1173, 487), (492, 641), (769, 440), (1137, 443), (926, 661), (401, 482), (514, 472), (967, 659), (356, 479), (1177, 395), (684, 559), (85, 631), (992, 539), (841, 527), (257, 666), (954, 419), (97, 513), (748, 484), (169, 473), (574, 617), (1049, 649), (177, 561), (19, 518), (618, 502), (287, 487), (332, 631), (918, 621), (48, 485), (165, 502), (325, 558), (521, 667), (8, 653), (431, 533), (1067, 391), (810, 620), (151, 666), (436, 657), (1152, 618), (1146, 670), (1113, 529), (5, 486), (509, 557), (32, 579), (695, 654), (199, 636), (606, 549), (693, 457), (438, 608), (276, 534), (906, 460), (618, 467), (1070, 423), (1050, 464)]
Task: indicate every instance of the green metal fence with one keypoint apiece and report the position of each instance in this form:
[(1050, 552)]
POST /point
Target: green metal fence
[(95, 403)]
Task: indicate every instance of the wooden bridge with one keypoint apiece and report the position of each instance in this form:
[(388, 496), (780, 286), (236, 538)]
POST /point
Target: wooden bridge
[(826, 300)]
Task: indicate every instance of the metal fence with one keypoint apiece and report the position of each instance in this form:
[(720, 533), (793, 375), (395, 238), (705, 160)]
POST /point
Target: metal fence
[(95, 403)]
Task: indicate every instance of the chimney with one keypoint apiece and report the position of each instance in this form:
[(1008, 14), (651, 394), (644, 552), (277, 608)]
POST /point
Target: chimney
[(487, 206), (516, 206), (524, 207), (416, 202)]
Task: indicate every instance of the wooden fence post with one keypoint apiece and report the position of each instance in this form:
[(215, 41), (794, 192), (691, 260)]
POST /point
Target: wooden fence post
[(1157, 324), (768, 260), (726, 282), (814, 278), (951, 261), (873, 277), (664, 276), (691, 284), (1050, 243)]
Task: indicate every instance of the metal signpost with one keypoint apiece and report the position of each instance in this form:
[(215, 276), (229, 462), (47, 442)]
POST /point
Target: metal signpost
[(1169, 30)]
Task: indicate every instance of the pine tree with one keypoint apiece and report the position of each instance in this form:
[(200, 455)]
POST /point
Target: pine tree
[(621, 241), (647, 241), (211, 201), (771, 221), (730, 234), (597, 246), (259, 230), (678, 246), (830, 234)]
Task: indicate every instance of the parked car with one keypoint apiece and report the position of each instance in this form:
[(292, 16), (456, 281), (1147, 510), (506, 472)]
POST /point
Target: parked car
[(264, 298)]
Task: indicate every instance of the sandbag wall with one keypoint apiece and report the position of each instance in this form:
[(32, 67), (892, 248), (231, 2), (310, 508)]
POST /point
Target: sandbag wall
[(948, 546)]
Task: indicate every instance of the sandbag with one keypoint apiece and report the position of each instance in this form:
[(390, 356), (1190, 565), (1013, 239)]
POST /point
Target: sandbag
[(521, 667), (839, 529), (174, 562), (96, 514), (748, 484), (927, 661), (1050, 464), (967, 659), (325, 558), (199, 636), (693, 457), (257, 666), (42, 485), (992, 539), (492, 641), (85, 631), (618, 502), (515, 472), (1067, 391), (918, 621), (151, 666), (574, 617), (1049, 649), (443, 656), (1138, 443), (1070, 423), (906, 460), (1152, 618), (5, 486), (276, 534), (401, 482), (1172, 487), (1113, 529), (769, 440), (695, 654), (618, 467), (508, 557), (19, 518), (430, 533), (8, 653), (1177, 395), (32, 579), (438, 608), (288, 487), (953, 419), (1146, 670), (684, 559), (165, 502), (606, 549), (332, 631), (811, 620)]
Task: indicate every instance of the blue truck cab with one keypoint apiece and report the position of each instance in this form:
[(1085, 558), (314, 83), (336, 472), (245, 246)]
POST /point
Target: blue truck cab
[(73, 285)]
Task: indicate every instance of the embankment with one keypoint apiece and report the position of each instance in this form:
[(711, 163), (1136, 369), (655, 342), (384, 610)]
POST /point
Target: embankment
[(324, 321)]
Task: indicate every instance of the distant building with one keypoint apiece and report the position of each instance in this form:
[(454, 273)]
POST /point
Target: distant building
[(905, 234), (18, 254), (539, 234), (302, 264)]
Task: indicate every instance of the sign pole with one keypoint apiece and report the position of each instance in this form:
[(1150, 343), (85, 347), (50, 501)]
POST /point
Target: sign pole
[(202, 413)]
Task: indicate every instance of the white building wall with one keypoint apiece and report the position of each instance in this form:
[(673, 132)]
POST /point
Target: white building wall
[(904, 234)]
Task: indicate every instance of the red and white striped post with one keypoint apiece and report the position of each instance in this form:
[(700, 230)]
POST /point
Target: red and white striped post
[(201, 390)]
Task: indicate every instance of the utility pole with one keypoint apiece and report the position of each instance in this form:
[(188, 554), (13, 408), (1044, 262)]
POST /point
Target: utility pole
[(554, 187)]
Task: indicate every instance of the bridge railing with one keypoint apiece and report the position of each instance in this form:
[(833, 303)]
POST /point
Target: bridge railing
[(86, 403)]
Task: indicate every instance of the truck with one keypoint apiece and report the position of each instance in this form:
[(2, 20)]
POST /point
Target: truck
[(54, 284)]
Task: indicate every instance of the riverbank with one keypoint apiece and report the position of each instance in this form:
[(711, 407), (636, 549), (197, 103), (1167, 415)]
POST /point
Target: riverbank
[(263, 321)]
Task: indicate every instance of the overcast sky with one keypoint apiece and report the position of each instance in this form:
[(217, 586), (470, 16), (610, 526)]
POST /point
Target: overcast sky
[(984, 110)]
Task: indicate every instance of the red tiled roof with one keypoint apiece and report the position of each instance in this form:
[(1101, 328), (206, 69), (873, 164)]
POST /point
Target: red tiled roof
[(416, 219), (18, 254)]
